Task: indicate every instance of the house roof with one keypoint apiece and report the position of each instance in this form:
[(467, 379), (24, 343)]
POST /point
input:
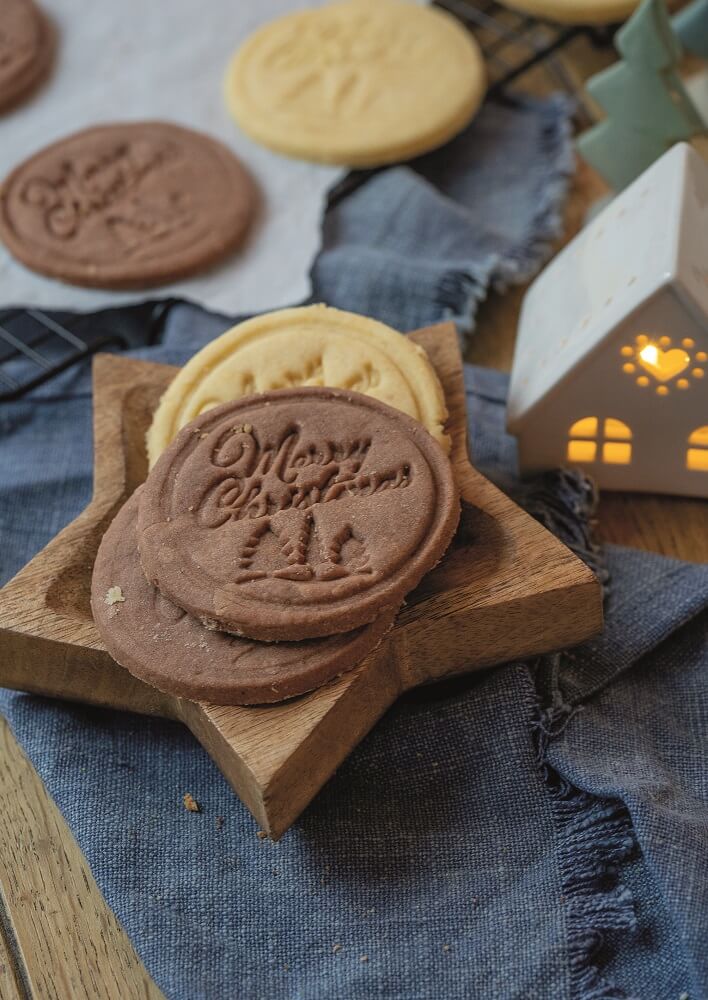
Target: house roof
[(611, 268)]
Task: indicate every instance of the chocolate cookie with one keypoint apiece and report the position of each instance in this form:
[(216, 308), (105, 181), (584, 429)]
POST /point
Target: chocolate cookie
[(26, 48), (296, 514), (126, 206), (164, 646)]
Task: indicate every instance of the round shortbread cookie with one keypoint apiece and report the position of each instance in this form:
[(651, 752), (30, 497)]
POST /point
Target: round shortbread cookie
[(127, 205), (296, 514), (576, 11), (312, 345), (26, 49), (161, 644), (361, 83)]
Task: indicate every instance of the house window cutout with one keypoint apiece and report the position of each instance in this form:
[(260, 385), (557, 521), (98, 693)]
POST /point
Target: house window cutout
[(697, 454), (610, 439)]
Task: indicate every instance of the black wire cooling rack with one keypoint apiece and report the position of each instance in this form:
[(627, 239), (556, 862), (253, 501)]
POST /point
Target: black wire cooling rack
[(514, 43), (35, 346)]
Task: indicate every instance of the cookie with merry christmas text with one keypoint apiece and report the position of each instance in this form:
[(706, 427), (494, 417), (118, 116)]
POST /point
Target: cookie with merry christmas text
[(309, 345), (360, 82), (296, 514), (126, 206), (162, 645)]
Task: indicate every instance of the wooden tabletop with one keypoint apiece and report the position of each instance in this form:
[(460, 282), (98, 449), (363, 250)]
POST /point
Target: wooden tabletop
[(58, 938)]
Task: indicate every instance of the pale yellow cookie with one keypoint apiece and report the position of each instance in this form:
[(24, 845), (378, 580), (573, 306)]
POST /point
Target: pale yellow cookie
[(312, 345), (361, 83), (576, 11)]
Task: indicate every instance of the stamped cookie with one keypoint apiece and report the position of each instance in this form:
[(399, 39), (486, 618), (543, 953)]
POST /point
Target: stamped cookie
[(296, 514), (26, 49), (312, 345), (161, 644), (126, 206), (575, 11), (363, 82)]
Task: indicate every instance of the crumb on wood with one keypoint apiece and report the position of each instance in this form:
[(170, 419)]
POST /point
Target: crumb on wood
[(261, 834), (190, 803), (113, 596)]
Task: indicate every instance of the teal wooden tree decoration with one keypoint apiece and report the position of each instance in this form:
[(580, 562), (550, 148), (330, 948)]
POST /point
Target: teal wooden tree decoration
[(691, 25), (647, 107)]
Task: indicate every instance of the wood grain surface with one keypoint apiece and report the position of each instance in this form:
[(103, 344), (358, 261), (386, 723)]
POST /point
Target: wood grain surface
[(673, 527), (475, 609), (67, 944)]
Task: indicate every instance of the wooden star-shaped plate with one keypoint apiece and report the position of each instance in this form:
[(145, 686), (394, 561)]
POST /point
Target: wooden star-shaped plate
[(506, 589)]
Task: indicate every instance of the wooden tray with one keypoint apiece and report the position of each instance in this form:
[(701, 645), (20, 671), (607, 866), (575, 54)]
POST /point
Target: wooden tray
[(506, 589)]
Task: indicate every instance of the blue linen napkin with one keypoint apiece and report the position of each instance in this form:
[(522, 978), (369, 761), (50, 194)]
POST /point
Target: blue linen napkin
[(538, 830)]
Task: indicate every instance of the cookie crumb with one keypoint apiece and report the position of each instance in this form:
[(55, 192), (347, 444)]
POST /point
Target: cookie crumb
[(190, 508), (114, 596), (446, 947), (247, 428), (336, 947), (203, 435), (261, 834), (219, 822), (363, 958), (190, 803)]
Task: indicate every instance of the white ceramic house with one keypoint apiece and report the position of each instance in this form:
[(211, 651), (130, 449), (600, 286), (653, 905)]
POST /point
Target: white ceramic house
[(611, 365)]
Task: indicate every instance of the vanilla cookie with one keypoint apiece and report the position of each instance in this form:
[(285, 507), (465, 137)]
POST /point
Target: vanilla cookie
[(312, 345), (575, 11), (361, 83)]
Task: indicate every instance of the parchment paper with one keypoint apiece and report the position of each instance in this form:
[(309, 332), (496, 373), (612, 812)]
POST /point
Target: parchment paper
[(141, 59)]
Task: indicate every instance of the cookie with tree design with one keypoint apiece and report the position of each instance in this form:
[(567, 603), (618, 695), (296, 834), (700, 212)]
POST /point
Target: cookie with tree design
[(127, 205), (164, 646), (296, 514)]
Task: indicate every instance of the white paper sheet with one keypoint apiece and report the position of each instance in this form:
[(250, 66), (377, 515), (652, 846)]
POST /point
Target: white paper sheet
[(166, 59)]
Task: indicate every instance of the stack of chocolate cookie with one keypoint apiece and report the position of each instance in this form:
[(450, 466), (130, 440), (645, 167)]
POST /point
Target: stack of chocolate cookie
[(272, 545)]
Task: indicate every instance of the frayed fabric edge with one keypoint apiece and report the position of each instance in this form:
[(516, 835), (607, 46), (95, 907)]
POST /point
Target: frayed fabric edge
[(565, 502), (555, 147), (595, 835), (459, 292)]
